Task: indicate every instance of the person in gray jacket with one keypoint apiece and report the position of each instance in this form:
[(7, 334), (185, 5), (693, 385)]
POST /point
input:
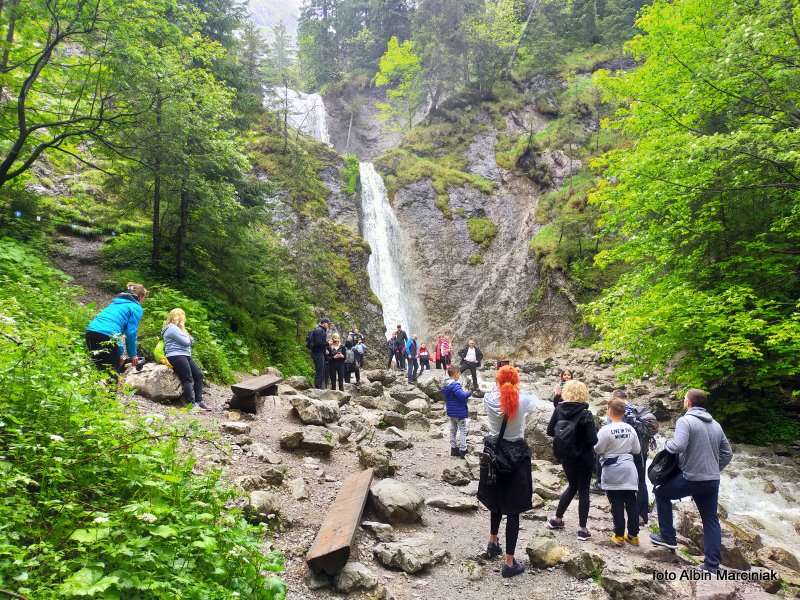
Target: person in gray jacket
[(703, 451), (178, 350)]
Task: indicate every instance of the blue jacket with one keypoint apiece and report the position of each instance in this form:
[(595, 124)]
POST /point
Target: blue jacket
[(121, 317), (455, 399), (411, 348)]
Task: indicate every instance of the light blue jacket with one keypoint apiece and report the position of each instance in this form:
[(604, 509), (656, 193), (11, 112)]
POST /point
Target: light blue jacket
[(176, 342), (121, 317)]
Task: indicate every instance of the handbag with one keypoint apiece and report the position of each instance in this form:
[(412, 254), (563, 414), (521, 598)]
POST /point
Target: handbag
[(500, 456), (663, 468)]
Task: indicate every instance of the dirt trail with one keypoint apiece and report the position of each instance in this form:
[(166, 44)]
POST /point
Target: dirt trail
[(80, 258)]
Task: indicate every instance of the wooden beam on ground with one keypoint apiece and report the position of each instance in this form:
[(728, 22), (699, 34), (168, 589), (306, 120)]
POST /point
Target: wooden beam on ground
[(248, 394), (331, 548)]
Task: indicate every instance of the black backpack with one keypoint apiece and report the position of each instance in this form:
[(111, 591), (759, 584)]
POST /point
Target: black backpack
[(565, 438), (663, 468), (310, 340), (644, 423)]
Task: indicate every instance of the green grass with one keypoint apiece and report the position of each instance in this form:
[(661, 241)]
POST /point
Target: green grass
[(350, 174), (476, 258), (481, 231)]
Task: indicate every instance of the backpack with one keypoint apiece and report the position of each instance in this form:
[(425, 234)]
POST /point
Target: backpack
[(565, 438), (349, 356), (643, 421), (310, 340), (663, 468)]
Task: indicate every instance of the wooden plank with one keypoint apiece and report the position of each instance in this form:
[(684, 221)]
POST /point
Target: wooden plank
[(331, 548), (255, 385)]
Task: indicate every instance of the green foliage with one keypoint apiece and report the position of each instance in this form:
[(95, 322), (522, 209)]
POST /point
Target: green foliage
[(704, 209), (95, 500), (400, 70), (481, 231), (351, 174), (476, 258)]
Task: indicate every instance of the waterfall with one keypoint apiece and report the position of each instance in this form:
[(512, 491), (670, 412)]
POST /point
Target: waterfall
[(306, 112), (388, 265)]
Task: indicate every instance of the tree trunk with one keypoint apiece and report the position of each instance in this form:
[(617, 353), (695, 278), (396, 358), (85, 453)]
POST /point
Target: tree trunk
[(12, 22), (182, 231), (156, 249)]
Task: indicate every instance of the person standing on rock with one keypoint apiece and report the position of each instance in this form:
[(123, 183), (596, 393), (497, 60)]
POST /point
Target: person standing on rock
[(178, 350), (564, 377), (391, 347), (574, 436), (120, 318), (703, 451), (401, 339), (455, 402), (442, 353), (508, 493), (412, 349), (317, 343), (424, 358), (351, 366), (471, 358), (336, 356)]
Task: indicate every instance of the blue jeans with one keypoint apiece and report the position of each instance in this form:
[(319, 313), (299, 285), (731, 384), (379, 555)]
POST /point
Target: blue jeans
[(705, 495), (413, 367)]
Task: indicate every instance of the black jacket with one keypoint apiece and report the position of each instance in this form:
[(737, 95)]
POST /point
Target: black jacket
[(478, 354), (330, 352), (586, 432), (319, 339), (403, 336)]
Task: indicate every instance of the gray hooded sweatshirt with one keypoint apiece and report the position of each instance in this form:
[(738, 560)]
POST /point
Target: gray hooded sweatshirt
[(702, 448), (616, 445)]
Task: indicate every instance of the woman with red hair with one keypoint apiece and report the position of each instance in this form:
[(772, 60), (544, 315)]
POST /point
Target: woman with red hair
[(508, 492)]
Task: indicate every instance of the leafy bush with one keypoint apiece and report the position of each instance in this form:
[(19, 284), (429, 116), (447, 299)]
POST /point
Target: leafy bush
[(351, 173), (94, 500), (481, 231)]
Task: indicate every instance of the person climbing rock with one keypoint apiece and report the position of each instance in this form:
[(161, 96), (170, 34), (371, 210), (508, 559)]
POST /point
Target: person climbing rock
[(120, 318), (424, 358), (471, 358), (574, 436), (507, 493), (317, 344), (564, 377), (455, 402), (411, 352), (178, 350), (335, 358), (703, 451)]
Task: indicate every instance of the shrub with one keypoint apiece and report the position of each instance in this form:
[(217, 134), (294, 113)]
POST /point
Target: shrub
[(481, 231)]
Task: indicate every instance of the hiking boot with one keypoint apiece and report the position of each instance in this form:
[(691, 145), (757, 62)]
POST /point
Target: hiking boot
[(203, 405), (633, 540), (555, 523), (454, 452), (513, 569), (617, 540), (493, 550), (657, 540), (583, 534)]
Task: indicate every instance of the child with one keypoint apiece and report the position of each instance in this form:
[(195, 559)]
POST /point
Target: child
[(424, 358), (455, 399), (617, 443), (361, 352)]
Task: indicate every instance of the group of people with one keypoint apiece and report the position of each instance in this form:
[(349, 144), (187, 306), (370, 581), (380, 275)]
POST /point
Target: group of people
[(113, 333), (617, 450), (335, 362)]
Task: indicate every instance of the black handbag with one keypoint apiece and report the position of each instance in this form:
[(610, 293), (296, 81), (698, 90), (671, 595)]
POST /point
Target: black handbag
[(663, 468), (501, 457)]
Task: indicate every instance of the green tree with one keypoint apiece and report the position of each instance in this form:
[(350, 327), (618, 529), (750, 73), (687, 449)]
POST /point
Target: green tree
[(493, 34), (400, 69)]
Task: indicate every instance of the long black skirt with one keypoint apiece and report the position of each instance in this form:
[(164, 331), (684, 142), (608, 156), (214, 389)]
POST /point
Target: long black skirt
[(513, 492)]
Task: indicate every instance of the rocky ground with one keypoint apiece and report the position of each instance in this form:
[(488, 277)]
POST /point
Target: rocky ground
[(423, 532)]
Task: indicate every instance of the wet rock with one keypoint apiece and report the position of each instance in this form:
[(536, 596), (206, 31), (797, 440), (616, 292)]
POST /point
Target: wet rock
[(382, 531), (263, 453), (262, 506), (454, 503), (397, 502), (290, 440), (411, 555), (544, 552), (298, 382), (394, 419), (419, 405), (379, 459), (780, 556), (298, 488), (416, 421), (539, 442), (769, 488), (236, 427), (622, 583), (318, 439), (585, 565), (315, 412), (457, 474), (155, 381), (355, 576)]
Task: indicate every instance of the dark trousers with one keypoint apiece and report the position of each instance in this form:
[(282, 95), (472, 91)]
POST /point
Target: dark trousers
[(400, 357), (579, 476), (705, 495), (352, 369), (319, 369), (391, 357), (424, 363), (359, 359), (191, 378), (413, 368), (642, 497), (624, 502), (105, 352), (512, 529), (336, 371), (472, 368)]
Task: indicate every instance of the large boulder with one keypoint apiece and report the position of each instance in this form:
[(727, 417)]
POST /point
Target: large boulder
[(407, 393), (385, 376), (315, 412), (416, 421), (155, 381), (585, 565), (539, 442), (623, 583), (431, 383), (298, 382), (397, 502), (544, 552), (378, 459), (732, 554), (411, 555), (355, 576), (394, 419), (337, 396), (318, 439), (371, 388), (419, 405)]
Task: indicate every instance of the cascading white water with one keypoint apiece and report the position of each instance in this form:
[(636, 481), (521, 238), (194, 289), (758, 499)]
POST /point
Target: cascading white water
[(387, 264), (306, 112)]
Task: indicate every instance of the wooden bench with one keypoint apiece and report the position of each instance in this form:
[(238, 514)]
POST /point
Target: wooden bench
[(248, 395), (331, 547)]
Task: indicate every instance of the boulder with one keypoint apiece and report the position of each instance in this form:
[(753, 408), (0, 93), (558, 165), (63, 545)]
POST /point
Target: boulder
[(236, 427), (372, 388), (419, 405), (382, 531), (341, 398), (398, 444), (585, 565), (290, 440), (544, 552), (623, 583), (731, 555), (273, 475), (454, 503), (780, 556), (397, 502), (379, 459), (384, 376), (155, 381), (263, 453), (431, 384), (354, 576), (457, 474), (394, 419), (407, 393), (342, 433), (539, 442), (298, 488), (318, 439), (416, 421), (298, 382), (411, 555), (248, 482), (315, 412), (262, 506)]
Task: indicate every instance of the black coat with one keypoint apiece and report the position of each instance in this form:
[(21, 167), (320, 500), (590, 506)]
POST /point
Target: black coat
[(478, 354), (513, 493), (330, 352), (586, 432), (319, 339)]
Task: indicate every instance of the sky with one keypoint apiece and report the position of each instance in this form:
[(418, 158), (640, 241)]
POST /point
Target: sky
[(268, 13)]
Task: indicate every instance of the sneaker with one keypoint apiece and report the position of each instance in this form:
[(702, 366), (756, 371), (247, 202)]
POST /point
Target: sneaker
[(633, 540), (512, 570), (660, 541), (203, 405), (617, 540), (454, 452), (555, 523), (493, 550), (583, 534)]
